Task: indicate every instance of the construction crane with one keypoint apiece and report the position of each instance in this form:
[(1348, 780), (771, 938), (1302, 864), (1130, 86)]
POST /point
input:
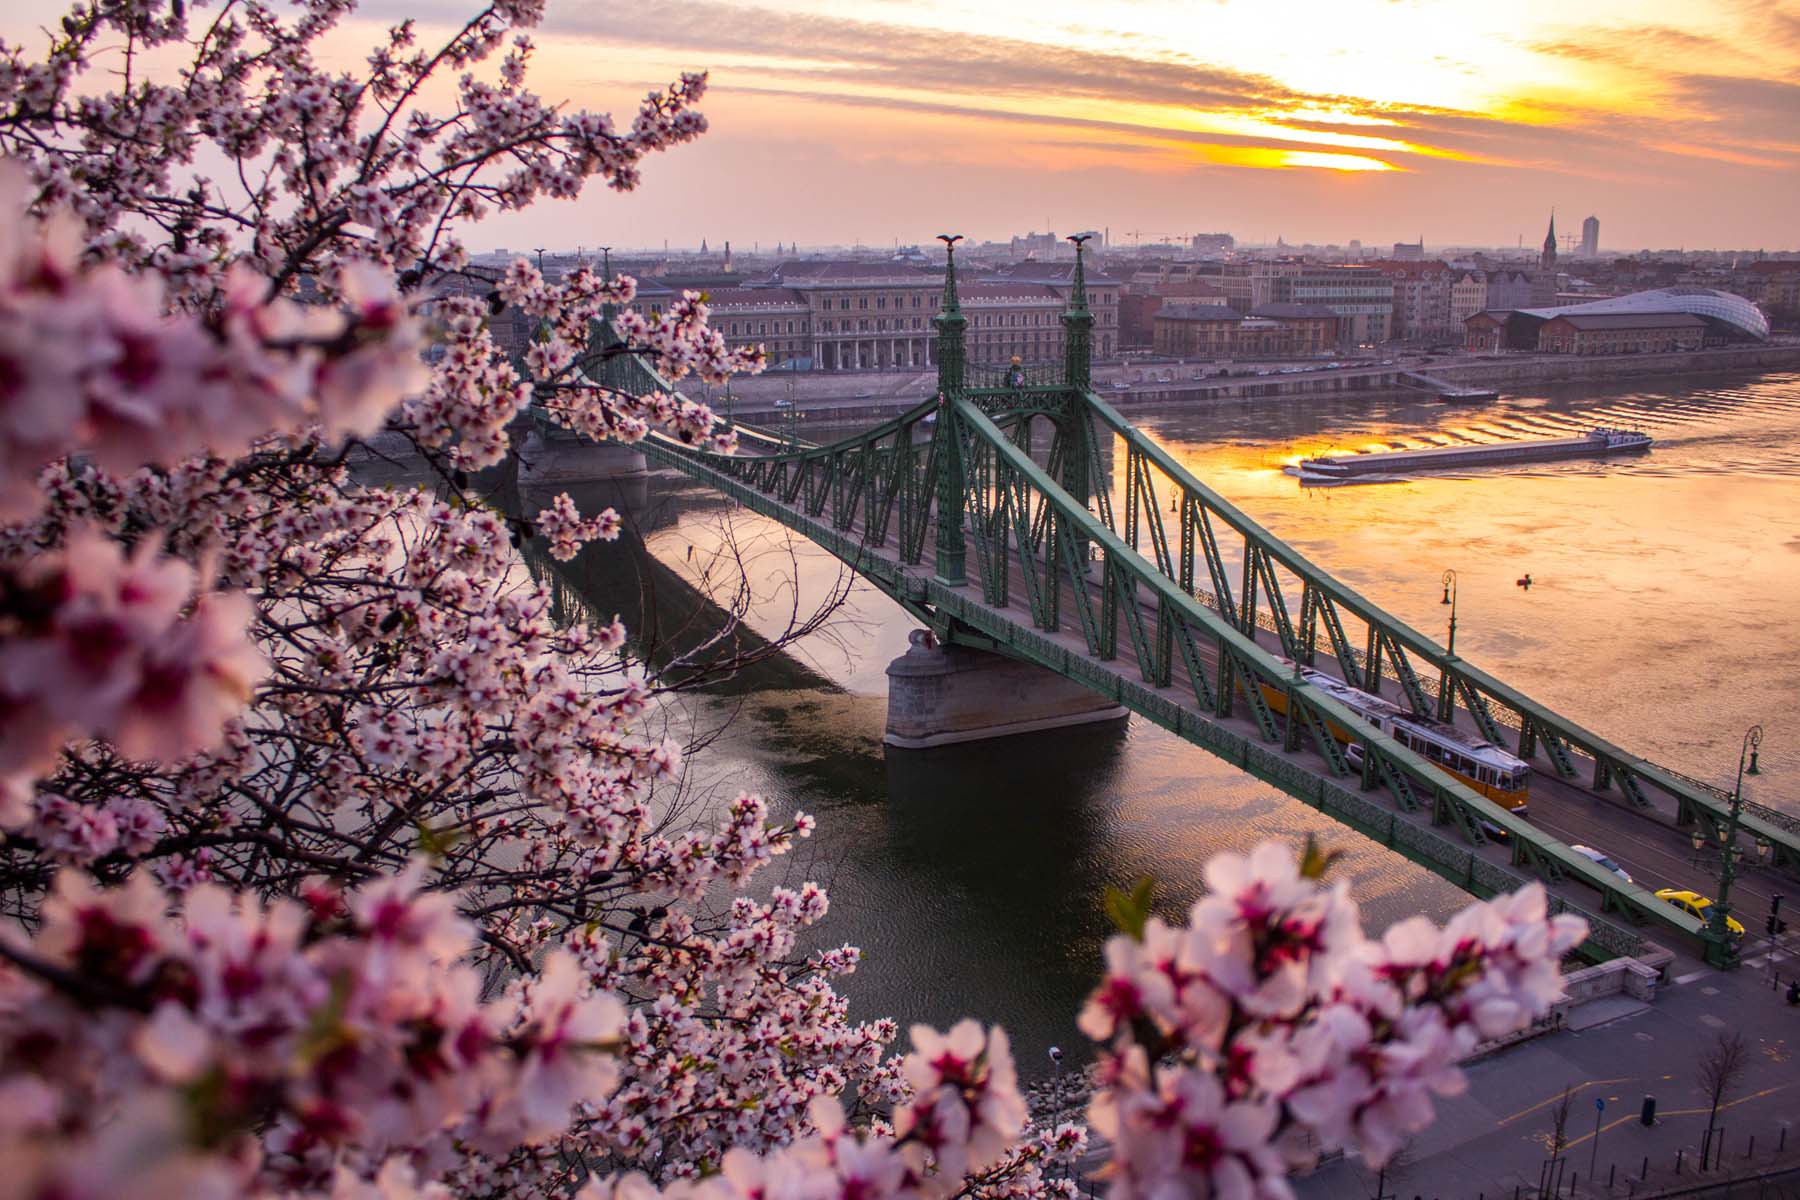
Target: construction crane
[(1135, 234)]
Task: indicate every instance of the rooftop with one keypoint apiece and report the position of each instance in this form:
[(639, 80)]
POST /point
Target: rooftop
[(1294, 312), (1197, 312), (1056, 272), (753, 297), (846, 272), (1007, 290)]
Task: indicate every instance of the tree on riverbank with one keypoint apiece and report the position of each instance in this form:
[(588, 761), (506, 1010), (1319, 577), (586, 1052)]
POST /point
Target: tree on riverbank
[(339, 867), (1720, 1068)]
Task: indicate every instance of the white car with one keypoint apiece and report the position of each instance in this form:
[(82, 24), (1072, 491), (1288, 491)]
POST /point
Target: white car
[(1602, 861)]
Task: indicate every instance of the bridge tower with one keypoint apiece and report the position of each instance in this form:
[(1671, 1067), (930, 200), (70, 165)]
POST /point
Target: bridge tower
[(1078, 324), (1078, 355), (951, 328)]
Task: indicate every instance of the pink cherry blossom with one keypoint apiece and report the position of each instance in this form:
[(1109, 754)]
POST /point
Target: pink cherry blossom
[(345, 866)]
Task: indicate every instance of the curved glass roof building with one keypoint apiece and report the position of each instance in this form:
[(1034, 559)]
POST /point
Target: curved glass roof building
[(1732, 316)]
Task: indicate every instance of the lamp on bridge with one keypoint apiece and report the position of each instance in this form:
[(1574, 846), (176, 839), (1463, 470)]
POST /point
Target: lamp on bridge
[(1721, 946), (1446, 693)]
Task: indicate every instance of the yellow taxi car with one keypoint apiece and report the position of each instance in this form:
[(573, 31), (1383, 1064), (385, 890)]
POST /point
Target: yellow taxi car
[(1697, 905)]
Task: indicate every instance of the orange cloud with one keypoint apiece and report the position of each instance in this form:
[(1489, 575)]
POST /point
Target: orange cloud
[(1281, 158)]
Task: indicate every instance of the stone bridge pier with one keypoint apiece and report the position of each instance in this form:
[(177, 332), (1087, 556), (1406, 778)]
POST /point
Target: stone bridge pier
[(939, 695), (554, 461)]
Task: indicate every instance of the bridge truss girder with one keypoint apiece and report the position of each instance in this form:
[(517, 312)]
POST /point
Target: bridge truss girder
[(1393, 643), (1022, 524)]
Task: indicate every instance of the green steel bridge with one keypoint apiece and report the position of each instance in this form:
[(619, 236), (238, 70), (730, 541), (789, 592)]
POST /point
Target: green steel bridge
[(977, 512)]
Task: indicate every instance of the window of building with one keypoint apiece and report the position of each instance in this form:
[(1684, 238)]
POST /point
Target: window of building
[(862, 302), (881, 302)]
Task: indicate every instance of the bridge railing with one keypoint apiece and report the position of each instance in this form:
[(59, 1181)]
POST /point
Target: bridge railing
[(1324, 600), (1320, 643), (986, 375)]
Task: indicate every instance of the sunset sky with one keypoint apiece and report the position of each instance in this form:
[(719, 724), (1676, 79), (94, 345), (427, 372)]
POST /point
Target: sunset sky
[(1676, 121)]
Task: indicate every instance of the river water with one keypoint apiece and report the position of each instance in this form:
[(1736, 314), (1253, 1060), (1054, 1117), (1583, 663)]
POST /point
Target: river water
[(1662, 616)]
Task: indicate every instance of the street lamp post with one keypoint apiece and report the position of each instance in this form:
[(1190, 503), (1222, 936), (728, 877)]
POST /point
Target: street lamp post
[(1446, 694), (1722, 948)]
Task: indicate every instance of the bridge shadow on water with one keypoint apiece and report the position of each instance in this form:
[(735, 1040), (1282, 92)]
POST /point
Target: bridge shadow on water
[(1005, 847), (684, 632)]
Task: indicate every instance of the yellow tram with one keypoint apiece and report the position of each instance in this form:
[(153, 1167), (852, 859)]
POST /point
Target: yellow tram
[(1485, 767)]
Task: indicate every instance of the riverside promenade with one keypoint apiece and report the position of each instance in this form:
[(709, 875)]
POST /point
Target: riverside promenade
[(1494, 1141)]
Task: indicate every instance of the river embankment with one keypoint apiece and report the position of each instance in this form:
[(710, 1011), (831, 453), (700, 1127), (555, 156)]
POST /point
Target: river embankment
[(877, 395)]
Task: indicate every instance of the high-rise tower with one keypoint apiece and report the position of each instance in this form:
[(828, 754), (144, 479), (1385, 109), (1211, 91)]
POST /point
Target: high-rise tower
[(1590, 238)]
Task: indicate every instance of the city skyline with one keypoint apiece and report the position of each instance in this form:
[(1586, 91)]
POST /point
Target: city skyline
[(882, 120)]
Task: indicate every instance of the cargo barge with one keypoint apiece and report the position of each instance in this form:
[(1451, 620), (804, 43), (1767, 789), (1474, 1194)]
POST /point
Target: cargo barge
[(1597, 442)]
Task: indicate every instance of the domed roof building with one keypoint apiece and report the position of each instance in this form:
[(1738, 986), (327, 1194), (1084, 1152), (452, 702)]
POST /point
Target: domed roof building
[(1661, 319), (1730, 316)]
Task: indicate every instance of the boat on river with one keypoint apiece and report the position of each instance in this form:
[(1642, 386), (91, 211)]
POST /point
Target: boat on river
[(1598, 442)]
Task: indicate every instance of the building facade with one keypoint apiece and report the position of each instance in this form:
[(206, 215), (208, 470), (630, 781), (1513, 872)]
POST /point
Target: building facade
[(1190, 330), (1139, 303), (856, 316), (1508, 289), (1196, 330), (1621, 333), (1362, 298), (1468, 295), (1421, 300), (1675, 318), (1485, 332), (773, 318)]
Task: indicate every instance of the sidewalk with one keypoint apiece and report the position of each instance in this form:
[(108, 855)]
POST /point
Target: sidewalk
[(1493, 1141)]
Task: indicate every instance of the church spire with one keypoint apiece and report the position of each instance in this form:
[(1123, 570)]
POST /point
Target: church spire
[(1548, 261)]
